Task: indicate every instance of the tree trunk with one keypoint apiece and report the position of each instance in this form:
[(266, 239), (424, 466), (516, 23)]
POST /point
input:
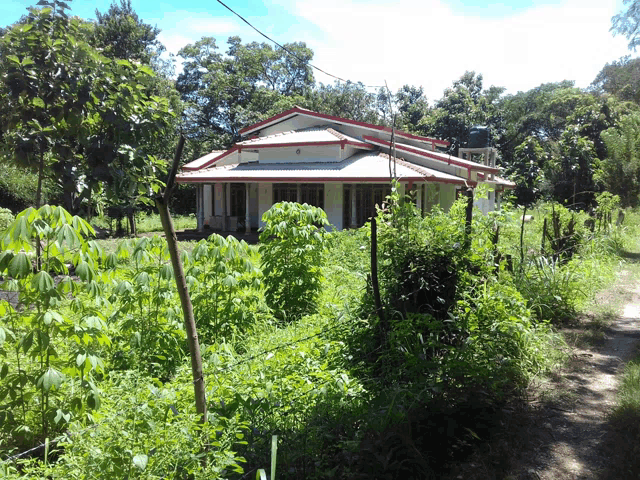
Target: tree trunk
[(162, 202)]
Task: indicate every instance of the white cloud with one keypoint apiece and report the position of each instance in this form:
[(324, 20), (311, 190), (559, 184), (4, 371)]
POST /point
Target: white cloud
[(424, 42)]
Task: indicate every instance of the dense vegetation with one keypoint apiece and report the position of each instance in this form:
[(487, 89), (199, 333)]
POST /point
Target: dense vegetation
[(94, 360)]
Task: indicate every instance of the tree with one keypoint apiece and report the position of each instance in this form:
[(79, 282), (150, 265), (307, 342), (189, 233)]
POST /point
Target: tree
[(225, 92), (120, 33), (71, 113), (527, 170), (461, 107), (619, 172), (348, 100), (570, 171), (620, 78), (412, 107), (46, 73), (627, 23)]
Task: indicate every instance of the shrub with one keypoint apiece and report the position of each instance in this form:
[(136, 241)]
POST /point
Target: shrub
[(147, 321), (292, 248), (6, 218), (51, 341), (225, 287)]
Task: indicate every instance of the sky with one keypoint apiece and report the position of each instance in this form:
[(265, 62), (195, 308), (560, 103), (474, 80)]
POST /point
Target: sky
[(516, 44)]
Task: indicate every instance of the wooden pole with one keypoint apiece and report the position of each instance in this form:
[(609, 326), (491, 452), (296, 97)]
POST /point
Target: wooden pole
[(374, 273), (162, 202)]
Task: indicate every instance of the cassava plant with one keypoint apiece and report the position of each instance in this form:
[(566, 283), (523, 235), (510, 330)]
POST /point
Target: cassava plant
[(52, 330), (224, 287), (292, 249)]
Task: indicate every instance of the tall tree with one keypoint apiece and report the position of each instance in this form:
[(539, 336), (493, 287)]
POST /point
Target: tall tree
[(463, 105), (225, 92), (627, 23), (620, 78), (619, 172), (69, 112), (120, 33)]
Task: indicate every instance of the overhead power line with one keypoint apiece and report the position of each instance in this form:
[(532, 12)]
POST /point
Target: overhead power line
[(289, 51)]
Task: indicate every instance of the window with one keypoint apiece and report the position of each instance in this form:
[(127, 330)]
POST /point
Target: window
[(285, 192), (312, 194), (238, 200), (364, 198)]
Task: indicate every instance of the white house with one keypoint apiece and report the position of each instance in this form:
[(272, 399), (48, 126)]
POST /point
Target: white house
[(340, 165)]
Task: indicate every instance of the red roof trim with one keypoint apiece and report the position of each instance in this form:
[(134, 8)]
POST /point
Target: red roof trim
[(450, 161), (303, 111), (418, 178)]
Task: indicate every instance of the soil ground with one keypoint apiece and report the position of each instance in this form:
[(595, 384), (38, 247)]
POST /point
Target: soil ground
[(561, 430)]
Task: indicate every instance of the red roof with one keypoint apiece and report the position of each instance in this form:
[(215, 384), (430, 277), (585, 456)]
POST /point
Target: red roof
[(303, 111)]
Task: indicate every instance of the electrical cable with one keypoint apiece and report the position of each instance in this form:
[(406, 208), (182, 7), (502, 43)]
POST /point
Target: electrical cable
[(289, 51)]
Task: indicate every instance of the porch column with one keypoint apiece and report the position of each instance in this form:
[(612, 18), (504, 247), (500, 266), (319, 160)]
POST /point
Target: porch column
[(247, 220), (200, 207), (354, 218), (299, 193), (225, 214), (419, 191)]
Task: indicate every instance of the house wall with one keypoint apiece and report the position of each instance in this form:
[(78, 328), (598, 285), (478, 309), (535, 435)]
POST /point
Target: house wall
[(326, 153), (447, 196), (333, 195)]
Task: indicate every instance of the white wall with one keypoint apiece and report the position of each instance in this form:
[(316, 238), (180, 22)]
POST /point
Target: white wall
[(333, 195), (323, 153), (447, 195)]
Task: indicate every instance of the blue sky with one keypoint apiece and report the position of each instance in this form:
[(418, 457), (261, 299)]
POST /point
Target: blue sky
[(516, 44)]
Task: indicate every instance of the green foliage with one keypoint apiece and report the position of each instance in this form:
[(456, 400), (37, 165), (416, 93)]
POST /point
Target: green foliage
[(292, 249), (225, 287), (86, 126), (505, 349), (619, 172), (146, 321), (6, 218), (146, 431), (626, 23), (18, 187), (54, 333)]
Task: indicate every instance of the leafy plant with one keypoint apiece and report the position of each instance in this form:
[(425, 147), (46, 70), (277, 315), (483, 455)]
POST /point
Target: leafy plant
[(225, 286), (146, 322), (292, 248), (53, 332)]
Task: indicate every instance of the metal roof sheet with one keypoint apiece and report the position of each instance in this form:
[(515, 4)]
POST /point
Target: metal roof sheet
[(361, 167), (303, 135), (199, 162)]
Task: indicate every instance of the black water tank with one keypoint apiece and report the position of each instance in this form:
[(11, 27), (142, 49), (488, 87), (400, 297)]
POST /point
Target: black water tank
[(479, 137)]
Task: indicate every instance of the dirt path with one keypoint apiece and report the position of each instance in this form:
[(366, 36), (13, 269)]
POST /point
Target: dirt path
[(568, 436)]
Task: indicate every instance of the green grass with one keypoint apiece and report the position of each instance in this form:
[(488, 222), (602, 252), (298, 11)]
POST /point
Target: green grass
[(148, 222)]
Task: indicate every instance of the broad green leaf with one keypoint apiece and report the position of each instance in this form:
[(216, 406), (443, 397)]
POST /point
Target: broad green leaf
[(51, 378), (27, 342), (4, 371), (85, 271), (38, 102), (3, 336), (42, 282), (20, 266)]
